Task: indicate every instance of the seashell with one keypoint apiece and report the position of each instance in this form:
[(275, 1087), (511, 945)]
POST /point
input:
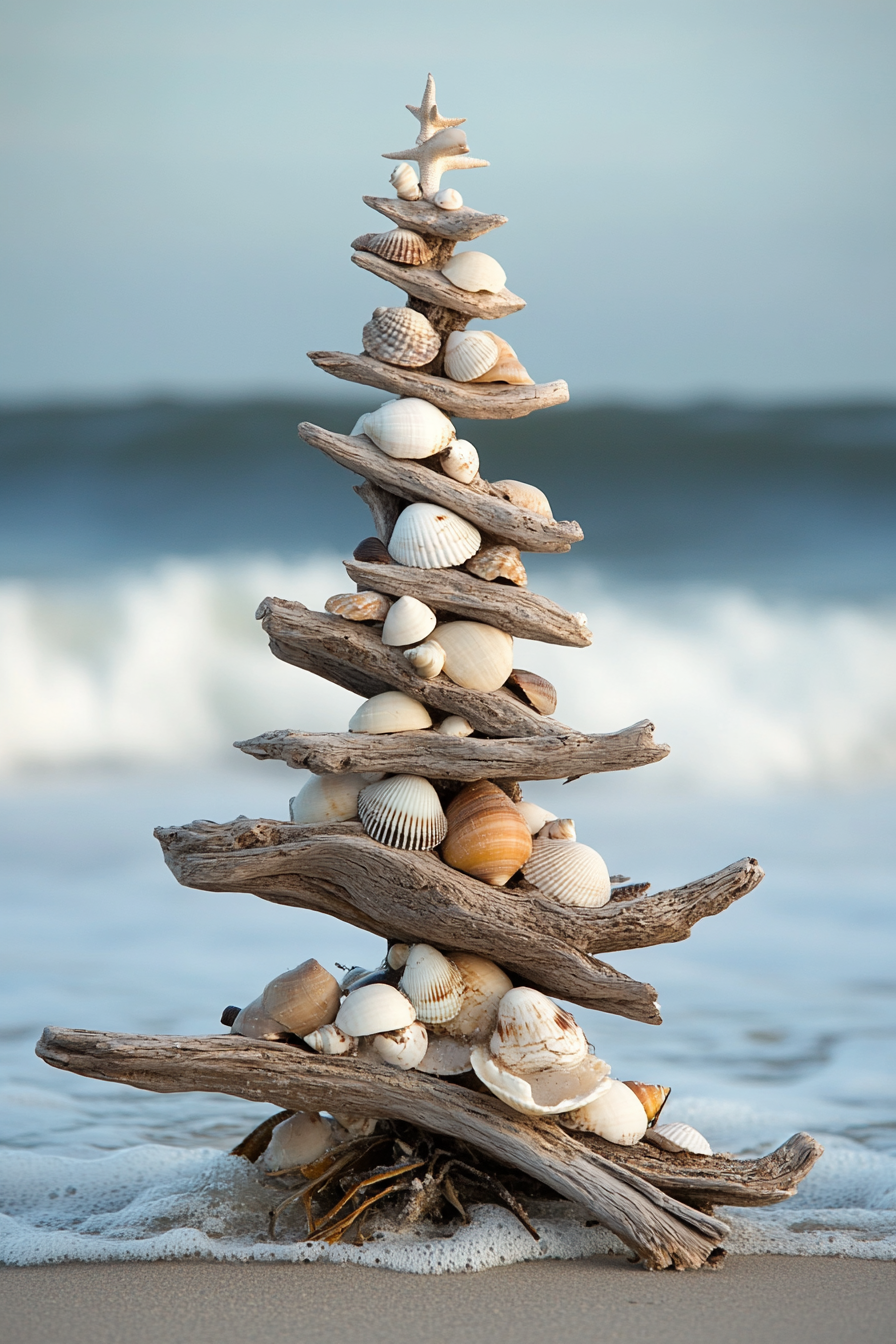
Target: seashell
[(524, 496), (254, 1022), (469, 354), (329, 1040), (372, 551), (485, 985), (298, 1141), (383, 975), (402, 245), (550, 1091), (535, 690), (366, 606), (455, 726), (536, 817), (409, 428), (487, 835), (477, 657), (397, 955), (461, 462), (326, 798), (498, 562), (403, 812), (533, 1032), (688, 1138), (508, 368), (433, 984), (389, 712), (430, 537), (355, 1126), (616, 1115), (303, 999), (564, 829), (580, 618), (448, 199), (475, 271), (427, 659), (352, 975), (409, 620), (404, 180), (651, 1096), (374, 1009), (568, 872), (401, 336), (446, 1056), (403, 1048)]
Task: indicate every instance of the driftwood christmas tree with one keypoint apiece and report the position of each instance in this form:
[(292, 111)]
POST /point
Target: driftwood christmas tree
[(414, 826)]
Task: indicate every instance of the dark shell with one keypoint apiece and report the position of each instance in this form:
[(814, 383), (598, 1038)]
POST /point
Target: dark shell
[(535, 690), (372, 551)]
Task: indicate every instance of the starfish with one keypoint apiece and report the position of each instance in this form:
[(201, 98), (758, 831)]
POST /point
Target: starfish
[(428, 114)]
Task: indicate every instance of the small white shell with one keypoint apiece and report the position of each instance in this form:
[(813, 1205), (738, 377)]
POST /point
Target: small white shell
[(409, 620), (455, 726), (461, 462), (536, 816), (475, 271), (427, 659), (329, 1040), (401, 336), (429, 537), (559, 829), (524, 496), (403, 812), (469, 354), (580, 618), (366, 606), (616, 1115), (389, 712), (445, 1056), (296, 1142), (326, 798), (373, 1009), (449, 199), (401, 245), (550, 1091), (404, 180), (485, 985), (397, 956), (403, 1048), (568, 872), (433, 984), (254, 1022), (409, 428), (688, 1138), (477, 657), (533, 1032)]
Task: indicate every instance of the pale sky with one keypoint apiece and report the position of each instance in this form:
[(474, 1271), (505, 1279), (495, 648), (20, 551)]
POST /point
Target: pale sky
[(700, 192)]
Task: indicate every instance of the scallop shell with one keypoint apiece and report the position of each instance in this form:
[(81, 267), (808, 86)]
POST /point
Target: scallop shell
[(433, 984), (550, 1091), (445, 1056), (430, 537), (616, 1115), (536, 816), (475, 271), (568, 872), (477, 657), (524, 496), (535, 690), (402, 245), (403, 812), (487, 835), (254, 1022), (404, 180), (408, 621), (303, 999), (401, 336), (688, 1138), (533, 1032), (427, 659), (329, 1040), (404, 1048), (372, 551), (468, 354), (449, 199), (498, 562), (389, 712), (326, 798), (397, 955), (409, 428), (559, 829), (485, 985), (461, 462), (508, 368), (373, 1009), (366, 606), (298, 1141), (651, 1096), (455, 726)]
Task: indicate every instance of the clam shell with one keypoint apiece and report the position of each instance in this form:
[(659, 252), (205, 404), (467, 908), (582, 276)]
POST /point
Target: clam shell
[(409, 428), (616, 1115), (535, 690), (403, 812), (401, 336), (402, 245), (477, 657), (688, 1138), (563, 828), (366, 606), (389, 712), (326, 798), (409, 620), (498, 562), (372, 551), (568, 872), (329, 1040), (487, 835), (427, 659), (397, 955), (433, 984), (449, 199), (468, 354), (403, 1048), (536, 816), (651, 1096), (532, 1032), (254, 1022), (550, 1091), (303, 999), (461, 462), (429, 537), (475, 271), (485, 985), (374, 1009), (445, 1056), (524, 496), (508, 369), (455, 726), (298, 1141), (404, 180)]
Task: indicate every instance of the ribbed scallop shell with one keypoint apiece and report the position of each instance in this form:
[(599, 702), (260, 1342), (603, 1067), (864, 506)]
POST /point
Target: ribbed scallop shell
[(408, 621), (326, 798), (550, 1091), (403, 812), (568, 872), (427, 659), (688, 1138), (402, 245), (536, 690), (524, 496), (455, 726), (401, 336), (461, 462), (404, 1048), (475, 271), (374, 1009), (485, 985), (445, 1056), (303, 999), (487, 836), (508, 368), (616, 1115), (359, 606), (536, 816), (429, 537), (433, 984), (298, 1141), (469, 354), (498, 562), (410, 428), (389, 712), (652, 1097), (477, 657), (533, 1032)]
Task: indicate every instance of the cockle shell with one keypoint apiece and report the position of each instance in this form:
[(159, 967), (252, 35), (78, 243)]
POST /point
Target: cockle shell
[(546, 1091), (563, 828), (329, 1040), (616, 1115), (498, 562), (401, 245), (404, 180), (303, 999), (508, 368), (455, 726), (366, 606), (487, 835), (401, 336), (469, 354), (254, 1022), (524, 496), (298, 1141), (372, 551), (475, 271), (427, 659), (433, 984), (445, 1056), (429, 537), (688, 1138), (374, 1009), (477, 657), (448, 199), (403, 1048), (533, 1032), (409, 620), (326, 798), (485, 985), (535, 690), (651, 1096), (403, 812), (389, 712), (409, 428), (568, 872), (397, 955), (461, 462), (536, 816)]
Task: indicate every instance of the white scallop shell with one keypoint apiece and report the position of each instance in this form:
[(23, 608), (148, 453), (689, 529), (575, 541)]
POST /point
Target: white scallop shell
[(688, 1138), (485, 985), (550, 1091), (449, 199), (329, 1040), (401, 336), (469, 354), (409, 428), (474, 271), (433, 984), (455, 726), (568, 872), (373, 1009), (524, 496), (389, 712), (616, 1115), (296, 1142), (409, 619), (533, 1032), (403, 812), (461, 462), (427, 659), (326, 798), (403, 1048), (430, 537), (477, 657), (536, 816), (365, 606), (445, 1056), (404, 180), (401, 245)]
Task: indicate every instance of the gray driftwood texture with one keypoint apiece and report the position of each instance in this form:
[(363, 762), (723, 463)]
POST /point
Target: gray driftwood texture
[(461, 226), (432, 286)]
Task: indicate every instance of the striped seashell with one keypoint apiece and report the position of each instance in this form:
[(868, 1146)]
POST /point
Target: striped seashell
[(652, 1097), (508, 368), (374, 1009), (445, 1056), (469, 354), (303, 999), (523, 496), (409, 620), (427, 659), (461, 462), (455, 726), (475, 271), (326, 798), (477, 657), (616, 1115), (298, 1141), (404, 1048), (404, 180), (390, 712), (329, 1040), (403, 812), (685, 1136), (568, 872), (536, 816), (366, 606), (433, 984), (401, 336), (402, 245), (409, 428), (535, 690), (429, 537), (487, 836), (498, 562)]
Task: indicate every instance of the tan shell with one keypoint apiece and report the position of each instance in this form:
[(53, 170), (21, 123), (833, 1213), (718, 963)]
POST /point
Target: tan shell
[(427, 659), (409, 428), (374, 1009), (550, 1091), (533, 1032), (403, 812), (455, 726), (427, 536), (487, 835), (303, 999), (461, 462), (652, 1097), (568, 872), (535, 690), (326, 798), (433, 984), (397, 956), (474, 272), (445, 1056), (329, 1040), (402, 245), (468, 354), (365, 606), (408, 621), (477, 657), (403, 1048), (404, 180), (523, 496), (485, 985), (508, 368), (355, 1126), (688, 1138), (390, 712), (562, 828), (254, 1022), (372, 551), (401, 336), (616, 1115), (498, 562), (536, 816), (298, 1141)]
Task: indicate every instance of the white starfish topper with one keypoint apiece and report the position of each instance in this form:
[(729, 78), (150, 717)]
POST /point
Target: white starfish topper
[(440, 146)]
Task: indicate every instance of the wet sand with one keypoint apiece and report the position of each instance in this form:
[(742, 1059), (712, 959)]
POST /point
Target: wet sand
[(752, 1300)]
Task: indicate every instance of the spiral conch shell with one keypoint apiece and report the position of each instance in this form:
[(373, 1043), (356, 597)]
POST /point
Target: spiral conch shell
[(568, 872), (478, 657), (401, 336), (433, 984), (498, 562), (365, 606), (468, 354), (427, 660), (404, 180), (408, 428), (408, 621), (390, 712), (403, 812), (326, 798), (475, 271), (298, 1141), (374, 1009), (401, 245), (303, 999), (616, 1115), (429, 537), (329, 1040), (508, 368), (685, 1136), (524, 496), (461, 462), (487, 835)]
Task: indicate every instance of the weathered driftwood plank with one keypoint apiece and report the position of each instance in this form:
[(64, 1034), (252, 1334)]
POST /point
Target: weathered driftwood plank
[(409, 480), (384, 508), (474, 401), (432, 286), (436, 756), (661, 1230), (354, 656), (423, 217), (521, 613)]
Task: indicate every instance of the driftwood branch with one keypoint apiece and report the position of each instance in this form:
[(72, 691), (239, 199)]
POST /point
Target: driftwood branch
[(384, 508), (432, 287), (662, 1231), (409, 480), (423, 217)]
